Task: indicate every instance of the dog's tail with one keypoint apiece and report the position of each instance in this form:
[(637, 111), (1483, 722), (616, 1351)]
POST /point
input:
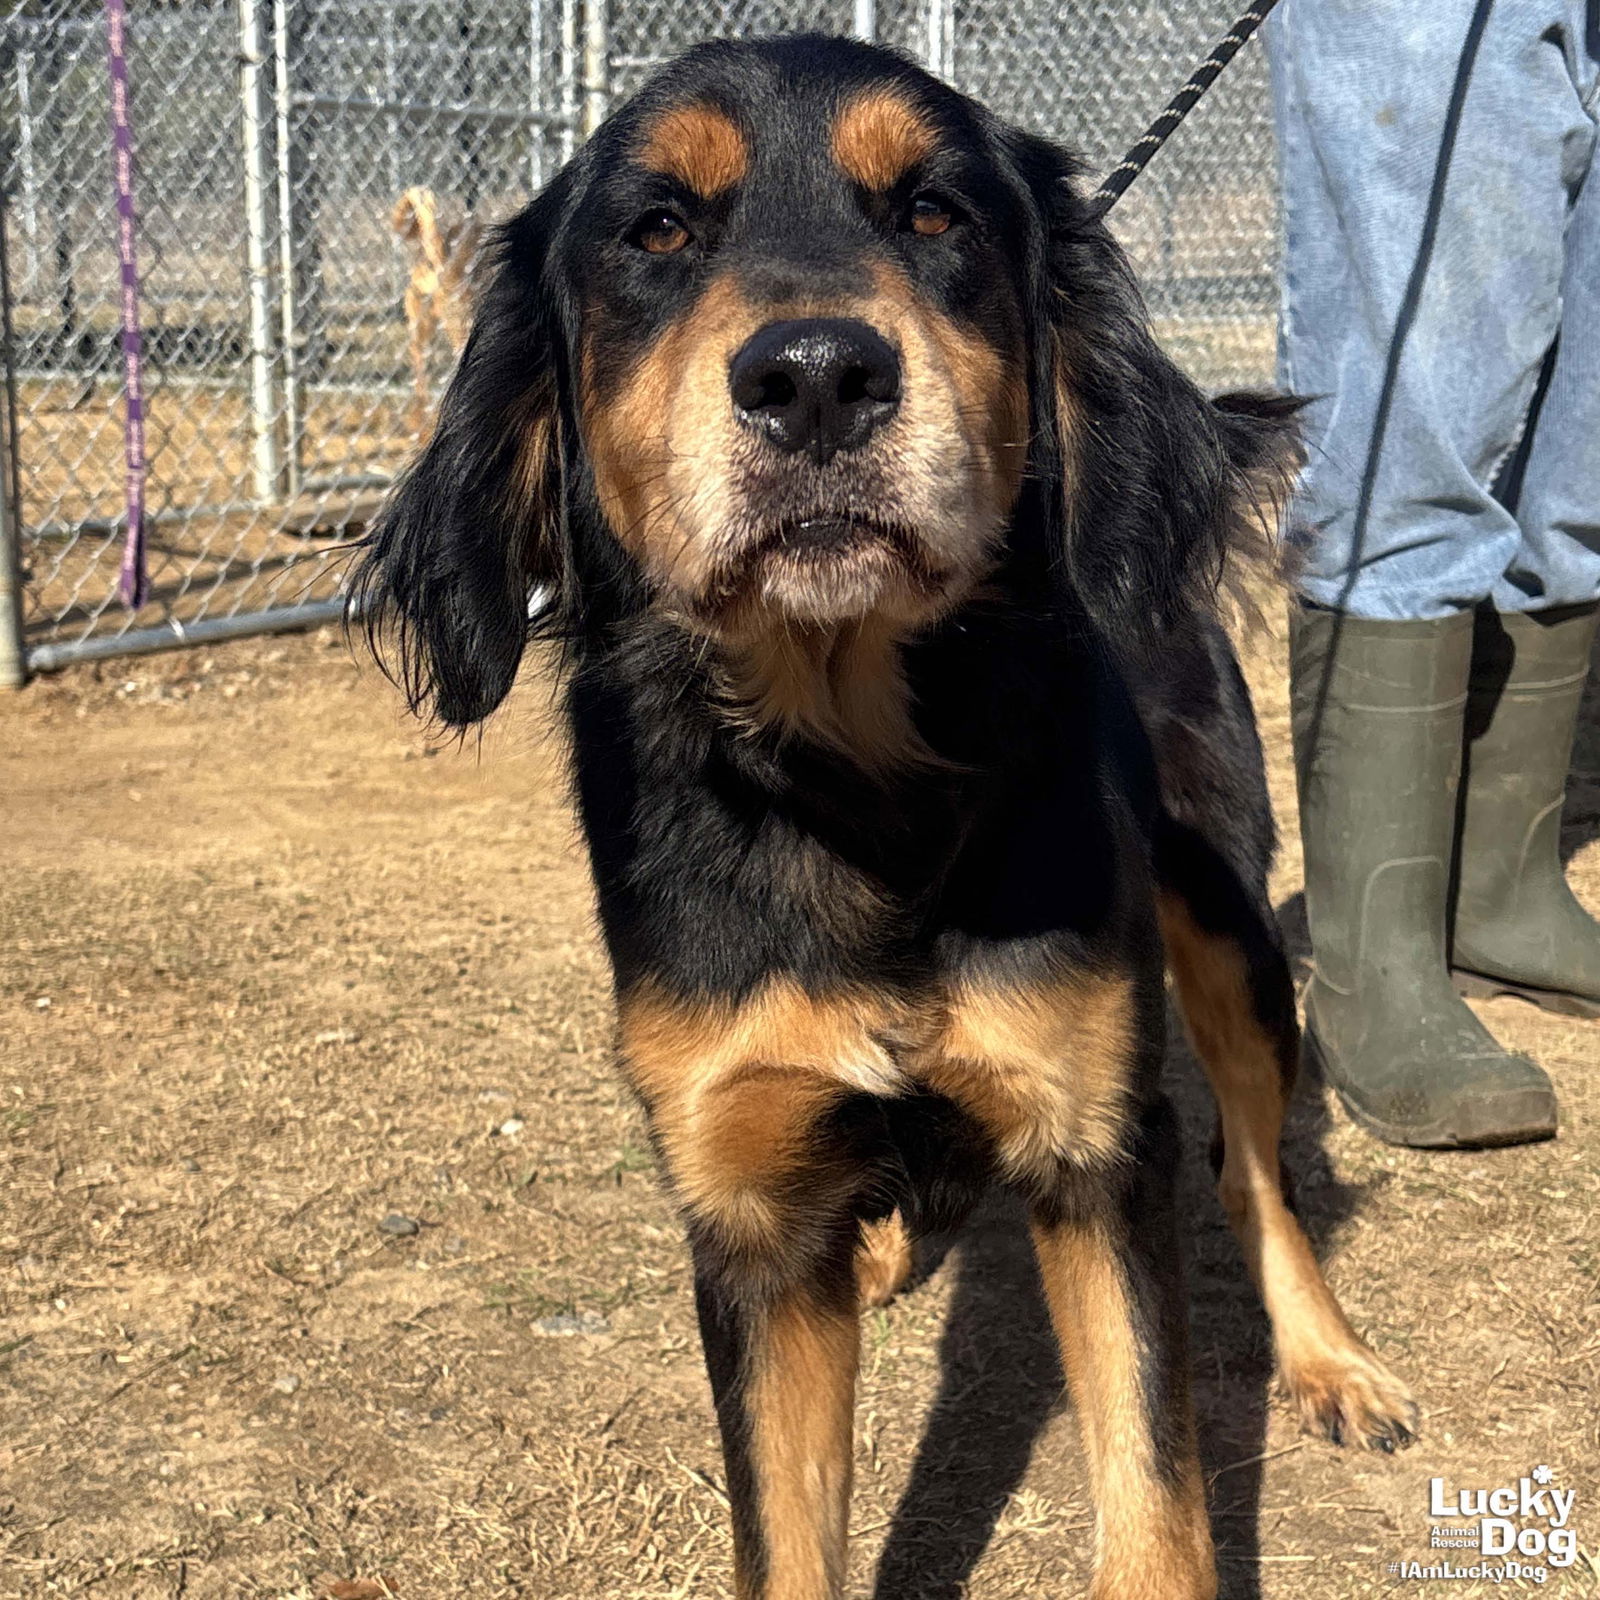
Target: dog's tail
[(1262, 436)]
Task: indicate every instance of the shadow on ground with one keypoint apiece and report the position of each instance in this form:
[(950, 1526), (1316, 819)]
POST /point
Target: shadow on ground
[(999, 1380)]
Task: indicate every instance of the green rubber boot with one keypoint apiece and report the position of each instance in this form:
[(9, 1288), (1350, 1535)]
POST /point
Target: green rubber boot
[(1518, 929), (1378, 715)]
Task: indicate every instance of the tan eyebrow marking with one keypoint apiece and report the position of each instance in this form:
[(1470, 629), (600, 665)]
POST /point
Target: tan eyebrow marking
[(879, 136), (699, 146)]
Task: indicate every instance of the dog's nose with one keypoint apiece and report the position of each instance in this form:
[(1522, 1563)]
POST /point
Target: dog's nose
[(818, 384)]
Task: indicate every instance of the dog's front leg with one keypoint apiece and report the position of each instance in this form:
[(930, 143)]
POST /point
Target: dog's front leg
[(768, 1183), (1110, 1270), (783, 1374)]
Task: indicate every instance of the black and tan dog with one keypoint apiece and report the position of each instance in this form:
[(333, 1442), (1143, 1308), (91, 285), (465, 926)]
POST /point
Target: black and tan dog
[(883, 544)]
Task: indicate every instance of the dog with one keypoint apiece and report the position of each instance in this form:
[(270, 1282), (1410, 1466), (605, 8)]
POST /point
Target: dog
[(883, 548), (439, 289)]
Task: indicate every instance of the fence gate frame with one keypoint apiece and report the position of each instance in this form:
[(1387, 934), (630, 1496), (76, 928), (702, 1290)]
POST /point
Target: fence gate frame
[(268, 100), (13, 650)]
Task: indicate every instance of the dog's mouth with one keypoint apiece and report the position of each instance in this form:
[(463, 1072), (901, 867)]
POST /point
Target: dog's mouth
[(825, 566), (828, 536)]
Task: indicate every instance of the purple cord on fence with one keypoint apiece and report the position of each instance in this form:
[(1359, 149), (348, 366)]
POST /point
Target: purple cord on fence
[(134, 587)]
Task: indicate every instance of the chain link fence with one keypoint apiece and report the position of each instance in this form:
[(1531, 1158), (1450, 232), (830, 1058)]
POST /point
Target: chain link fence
[(297, 159)]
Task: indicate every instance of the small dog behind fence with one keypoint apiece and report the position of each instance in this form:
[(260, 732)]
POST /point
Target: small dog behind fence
[(439, 292)]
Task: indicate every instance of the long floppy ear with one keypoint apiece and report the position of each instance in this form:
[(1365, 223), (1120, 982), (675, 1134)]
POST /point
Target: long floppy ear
[(473, 530), (1158, 485)]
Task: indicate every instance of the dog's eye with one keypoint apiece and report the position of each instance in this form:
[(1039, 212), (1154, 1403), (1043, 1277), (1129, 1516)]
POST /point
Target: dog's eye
[(660, 232), (930, 215)]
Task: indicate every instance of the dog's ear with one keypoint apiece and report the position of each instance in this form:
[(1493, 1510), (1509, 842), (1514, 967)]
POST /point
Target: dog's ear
[(403, 219), (470, 541), (1157, 485)]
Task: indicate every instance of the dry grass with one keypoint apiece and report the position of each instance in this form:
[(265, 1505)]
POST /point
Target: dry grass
[(272, 972)]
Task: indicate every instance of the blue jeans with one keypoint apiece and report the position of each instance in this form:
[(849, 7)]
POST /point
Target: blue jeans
[(1442, 299)]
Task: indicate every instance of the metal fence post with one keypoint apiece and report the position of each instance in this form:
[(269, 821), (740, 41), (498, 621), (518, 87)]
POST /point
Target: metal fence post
[(291, 337), (866, 19), (64, 252), (537, 100), (569, 78), (596, 64), (468, 138), (13, 655), (941, 39), (255, 122), (27, 167), (13, 658)]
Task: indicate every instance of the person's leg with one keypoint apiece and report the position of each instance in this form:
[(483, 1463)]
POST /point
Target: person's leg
[(1377, 733), (1517, 927), (1425, 155), (1422, 152), (1554, 488)]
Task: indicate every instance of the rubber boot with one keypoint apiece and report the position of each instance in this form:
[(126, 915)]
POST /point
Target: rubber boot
[(1518, 928), (1378, 718)]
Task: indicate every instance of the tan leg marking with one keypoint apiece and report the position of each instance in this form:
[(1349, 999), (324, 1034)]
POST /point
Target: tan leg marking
[(1042, 1067), (883, 1261), (734, 1092), (735, 1095), (1152, 1539), (801, 1402), (1337, 1384)]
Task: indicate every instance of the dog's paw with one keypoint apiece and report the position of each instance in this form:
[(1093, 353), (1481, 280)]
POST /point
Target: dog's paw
[(1350, 1397), (883, 1261)]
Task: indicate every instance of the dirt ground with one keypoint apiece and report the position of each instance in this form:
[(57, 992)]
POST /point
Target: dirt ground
[(330, 1250)]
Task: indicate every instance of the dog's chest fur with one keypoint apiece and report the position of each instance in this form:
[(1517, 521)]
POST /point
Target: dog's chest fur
[(726, 856)]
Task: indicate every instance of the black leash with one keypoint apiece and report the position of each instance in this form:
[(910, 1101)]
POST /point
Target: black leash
[(1181, 104)]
